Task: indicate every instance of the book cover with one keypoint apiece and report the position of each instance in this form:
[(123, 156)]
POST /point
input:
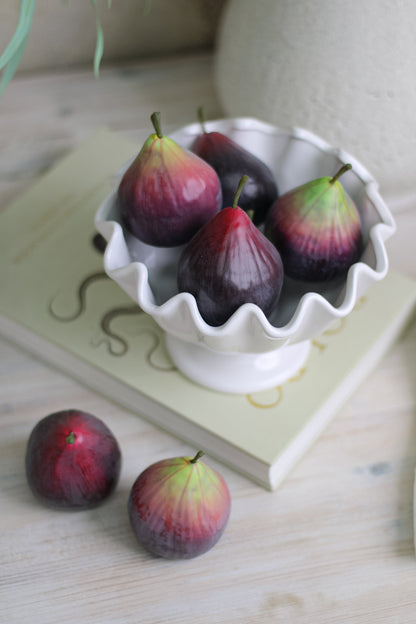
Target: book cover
[(57, 302)]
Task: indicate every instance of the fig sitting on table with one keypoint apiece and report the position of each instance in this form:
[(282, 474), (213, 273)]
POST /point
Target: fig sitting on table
[(168, 192), (72, 460), (179, 507)]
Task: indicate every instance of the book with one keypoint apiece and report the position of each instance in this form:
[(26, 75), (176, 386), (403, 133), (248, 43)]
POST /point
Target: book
[(57, 302)]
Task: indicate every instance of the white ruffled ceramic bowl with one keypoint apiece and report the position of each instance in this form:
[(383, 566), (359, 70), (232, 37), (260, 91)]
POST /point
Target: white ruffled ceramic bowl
[(250, 352)]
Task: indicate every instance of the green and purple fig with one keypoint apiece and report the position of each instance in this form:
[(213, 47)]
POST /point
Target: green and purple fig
[(168, 192), (179, 507), (317, 229), (231, 161), (230, 262)]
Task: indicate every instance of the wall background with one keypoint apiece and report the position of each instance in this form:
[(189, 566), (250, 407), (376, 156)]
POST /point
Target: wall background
[(63, 32)]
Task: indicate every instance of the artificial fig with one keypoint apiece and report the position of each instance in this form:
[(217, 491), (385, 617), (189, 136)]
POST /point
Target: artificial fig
[(179, 507), (228, 263), (317, 229), (230, 160), (168, 192)]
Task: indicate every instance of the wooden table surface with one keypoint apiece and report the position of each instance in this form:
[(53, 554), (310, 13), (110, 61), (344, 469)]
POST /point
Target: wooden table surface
[(333, 544)]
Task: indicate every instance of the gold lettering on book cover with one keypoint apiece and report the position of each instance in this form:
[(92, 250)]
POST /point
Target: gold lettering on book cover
[(116, 344), (320, 343)]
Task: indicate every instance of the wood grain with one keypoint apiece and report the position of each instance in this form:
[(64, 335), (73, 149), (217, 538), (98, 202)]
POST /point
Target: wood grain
[(333, 544)]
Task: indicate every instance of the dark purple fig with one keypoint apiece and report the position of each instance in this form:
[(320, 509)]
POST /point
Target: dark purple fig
[(231, 161), (229, 262), (168, 192), (317, 229), (72, 460), (179, 507)]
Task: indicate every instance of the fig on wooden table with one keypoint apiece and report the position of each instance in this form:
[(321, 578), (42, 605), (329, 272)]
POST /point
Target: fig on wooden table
[(317, 229), (230, 262), (231, 161), (179, 507), (168, 192), (72, 460)]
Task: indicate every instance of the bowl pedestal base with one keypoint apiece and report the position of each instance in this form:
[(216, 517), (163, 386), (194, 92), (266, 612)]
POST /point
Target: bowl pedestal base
[(238, 373)]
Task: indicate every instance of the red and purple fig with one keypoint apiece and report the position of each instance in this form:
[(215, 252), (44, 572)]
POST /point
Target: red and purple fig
[(231, 161), (317, 229), (179, 507), (168, 192), (230, 262), (72, 460)]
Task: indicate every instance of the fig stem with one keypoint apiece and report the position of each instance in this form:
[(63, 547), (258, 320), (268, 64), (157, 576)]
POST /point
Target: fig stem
[(155, 117), (343, 170), (240, 187), (201, 118), (70, 438), (197, 456)]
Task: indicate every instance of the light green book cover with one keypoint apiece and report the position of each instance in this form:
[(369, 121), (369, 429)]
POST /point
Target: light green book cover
[(57, 302)]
